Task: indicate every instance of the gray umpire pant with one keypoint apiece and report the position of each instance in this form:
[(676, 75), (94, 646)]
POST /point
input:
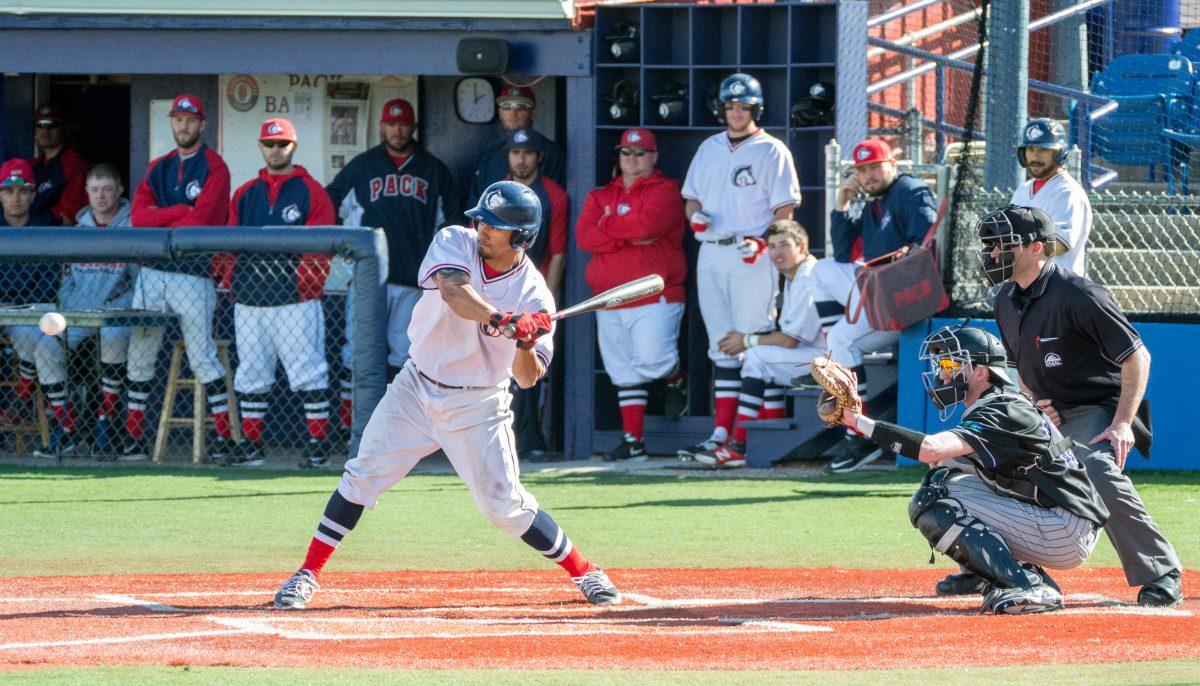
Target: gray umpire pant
[(1145, 553)]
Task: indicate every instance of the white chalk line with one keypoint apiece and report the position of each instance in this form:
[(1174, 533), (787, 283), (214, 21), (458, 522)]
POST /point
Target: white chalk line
[(120, 639)]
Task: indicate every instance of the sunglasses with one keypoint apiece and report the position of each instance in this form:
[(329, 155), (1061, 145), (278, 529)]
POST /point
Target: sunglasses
[(275, 144), (633, 152), (514, 106), (47, 125)]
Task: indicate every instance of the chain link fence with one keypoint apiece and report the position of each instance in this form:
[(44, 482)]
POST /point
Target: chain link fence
[(225, 358)]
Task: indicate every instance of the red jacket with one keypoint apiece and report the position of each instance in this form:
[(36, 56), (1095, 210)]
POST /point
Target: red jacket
[(615, 219)]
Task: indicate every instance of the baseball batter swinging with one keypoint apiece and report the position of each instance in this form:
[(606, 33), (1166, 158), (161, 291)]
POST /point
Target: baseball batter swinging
[(453, 391)]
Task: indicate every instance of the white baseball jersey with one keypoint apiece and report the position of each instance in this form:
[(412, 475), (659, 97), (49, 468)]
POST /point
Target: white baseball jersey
[(740, 186), (1064, 200), (459, 352), (798, 317)]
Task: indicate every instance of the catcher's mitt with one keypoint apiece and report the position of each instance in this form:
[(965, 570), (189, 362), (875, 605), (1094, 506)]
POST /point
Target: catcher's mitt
[(841, 389)]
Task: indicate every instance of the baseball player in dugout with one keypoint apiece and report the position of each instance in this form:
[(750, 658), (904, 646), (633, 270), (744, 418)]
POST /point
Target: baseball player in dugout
[(1007, 494), (60, 170), (1052, 189), (277, 313), (86, 286), (740, 181), (21, 284), (633, 227), (898, 212), (516, 108), (1086, 367), (453, 391), (402, 188), (524, 153), (188, 186), (770, 358)]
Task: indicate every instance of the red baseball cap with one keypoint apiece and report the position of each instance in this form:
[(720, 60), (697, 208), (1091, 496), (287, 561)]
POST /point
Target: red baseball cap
[(872, 150), (639, 138), (187, 104), (48, 114), (522, 95), (16, 172), (278, 129), (398, 111)]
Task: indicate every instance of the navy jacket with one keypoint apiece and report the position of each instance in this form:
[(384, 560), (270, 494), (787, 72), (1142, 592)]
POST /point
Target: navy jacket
[(31, 282), (906, 211), (492, 166)]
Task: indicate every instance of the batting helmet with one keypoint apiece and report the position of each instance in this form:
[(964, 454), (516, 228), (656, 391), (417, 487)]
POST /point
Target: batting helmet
[(741, 88), (952, 352), (510, 206), (1043, 133)]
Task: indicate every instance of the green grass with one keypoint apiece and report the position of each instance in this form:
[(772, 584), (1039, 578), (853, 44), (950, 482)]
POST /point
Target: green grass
[(1168, 672), (172, 520)]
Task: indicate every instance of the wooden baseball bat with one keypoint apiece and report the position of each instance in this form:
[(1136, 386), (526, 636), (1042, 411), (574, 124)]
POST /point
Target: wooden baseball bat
[(613, 297)]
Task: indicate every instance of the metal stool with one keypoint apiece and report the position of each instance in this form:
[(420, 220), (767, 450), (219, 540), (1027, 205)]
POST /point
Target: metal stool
[(200, 418)]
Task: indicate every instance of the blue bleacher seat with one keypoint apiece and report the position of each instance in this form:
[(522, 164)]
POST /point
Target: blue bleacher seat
[(1154, 124)]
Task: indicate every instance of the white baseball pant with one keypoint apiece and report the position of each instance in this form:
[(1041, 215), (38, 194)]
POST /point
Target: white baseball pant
[(24, 340), (292, 334), (51, 356), (473, 428), (639, 344), (776, 364), (847, 342), (194, 299), (734, 296)]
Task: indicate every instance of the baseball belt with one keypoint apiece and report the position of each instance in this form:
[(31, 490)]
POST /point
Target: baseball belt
[(446, 386), (727, 241)]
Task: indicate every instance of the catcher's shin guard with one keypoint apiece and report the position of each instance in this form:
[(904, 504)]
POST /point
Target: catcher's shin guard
[(962, 537)]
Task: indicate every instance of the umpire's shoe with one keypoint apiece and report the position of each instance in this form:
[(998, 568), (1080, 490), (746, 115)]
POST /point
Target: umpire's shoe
[(1165, 591), (595, 587), (1022, 601), (295, 593), (629, 450), (964, 583)]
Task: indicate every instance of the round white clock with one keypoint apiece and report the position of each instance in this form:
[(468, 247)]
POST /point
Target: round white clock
[(475, 100)]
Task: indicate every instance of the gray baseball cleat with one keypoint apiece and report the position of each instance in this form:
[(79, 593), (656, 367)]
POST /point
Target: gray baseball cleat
[(295, 593), (597, 588), (1022, 601)]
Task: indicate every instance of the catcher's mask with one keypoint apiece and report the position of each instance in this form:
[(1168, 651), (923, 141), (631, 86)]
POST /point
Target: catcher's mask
[(953, 354), (1004, 229)]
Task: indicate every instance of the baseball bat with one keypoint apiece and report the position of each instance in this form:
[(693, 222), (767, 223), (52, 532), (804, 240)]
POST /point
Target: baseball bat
[(613, 297)]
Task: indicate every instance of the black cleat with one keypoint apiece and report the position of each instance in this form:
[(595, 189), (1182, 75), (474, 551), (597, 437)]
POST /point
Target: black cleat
[(316, 454), (245, 453), (629, 450), (220, 449), (63, 444), (851, 454), (135, 449)]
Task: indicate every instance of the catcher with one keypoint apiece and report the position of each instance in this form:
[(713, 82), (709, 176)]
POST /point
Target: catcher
[(1006, 495)]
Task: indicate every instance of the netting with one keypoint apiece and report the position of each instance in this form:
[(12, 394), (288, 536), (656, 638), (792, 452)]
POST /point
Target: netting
[(230, 359)]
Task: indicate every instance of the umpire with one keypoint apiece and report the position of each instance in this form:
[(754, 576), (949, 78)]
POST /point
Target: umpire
[(1086, 366)]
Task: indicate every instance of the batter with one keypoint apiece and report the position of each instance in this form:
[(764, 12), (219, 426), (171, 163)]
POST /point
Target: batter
[(453, 391)]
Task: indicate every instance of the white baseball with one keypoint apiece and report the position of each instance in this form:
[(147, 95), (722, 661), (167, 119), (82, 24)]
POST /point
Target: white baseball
[(52, 323)]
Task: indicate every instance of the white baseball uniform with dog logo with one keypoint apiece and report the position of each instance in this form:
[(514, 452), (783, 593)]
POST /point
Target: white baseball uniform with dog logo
[(453, 391), (798, 319), (1065, 201), (739, 185)]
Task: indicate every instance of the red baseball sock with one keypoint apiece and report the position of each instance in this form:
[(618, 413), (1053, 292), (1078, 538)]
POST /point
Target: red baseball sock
[(632, 402), (318, 428), (576, 564), (318, 554), (252, 428)]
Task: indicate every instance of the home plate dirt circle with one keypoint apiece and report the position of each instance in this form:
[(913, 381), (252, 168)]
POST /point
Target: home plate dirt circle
[(670, 619)]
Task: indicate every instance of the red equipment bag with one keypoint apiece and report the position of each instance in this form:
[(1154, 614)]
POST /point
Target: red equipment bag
[(902, 287)]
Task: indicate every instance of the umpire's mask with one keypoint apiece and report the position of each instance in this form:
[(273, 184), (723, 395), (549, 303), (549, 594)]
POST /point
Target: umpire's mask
[(1003, 229)]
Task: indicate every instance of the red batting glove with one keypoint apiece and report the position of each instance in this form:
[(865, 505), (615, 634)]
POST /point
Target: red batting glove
[(541, 323), (500, 319), (700, 221), (752, 249)]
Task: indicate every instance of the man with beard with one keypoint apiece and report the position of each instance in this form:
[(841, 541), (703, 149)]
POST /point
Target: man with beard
[(61, 172), (899, 211), (188, 186), (277, 313), (1052, 189), (516, 108), (740, 181), (402, 188)]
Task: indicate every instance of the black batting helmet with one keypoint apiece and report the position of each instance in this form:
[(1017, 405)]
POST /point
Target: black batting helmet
[(1043, 133), (510, 206)]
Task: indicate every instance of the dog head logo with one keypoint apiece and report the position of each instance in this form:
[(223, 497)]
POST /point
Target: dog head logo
[(634, 137), (1053, 360), (274, 129), (193, 190), (622, 209), (1034, 132), (863, 154), (744, 176), (494, 200), (291, 214)]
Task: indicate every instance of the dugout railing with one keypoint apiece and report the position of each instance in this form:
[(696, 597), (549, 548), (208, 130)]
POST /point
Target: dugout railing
[(270, 292)]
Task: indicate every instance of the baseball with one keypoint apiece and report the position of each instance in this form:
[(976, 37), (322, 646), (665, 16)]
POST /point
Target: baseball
[(52, 323)]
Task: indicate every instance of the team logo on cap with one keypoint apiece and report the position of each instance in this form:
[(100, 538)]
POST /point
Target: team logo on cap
[(744, 176), (634, 137), (1053, 360), (186, 104), (395, 111), (291, 214), (520, 137), (623, 209), (816, 90), (1034, 132), (737, 88), (494, 200), (863, 154), (273, 128), (193, 190)]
